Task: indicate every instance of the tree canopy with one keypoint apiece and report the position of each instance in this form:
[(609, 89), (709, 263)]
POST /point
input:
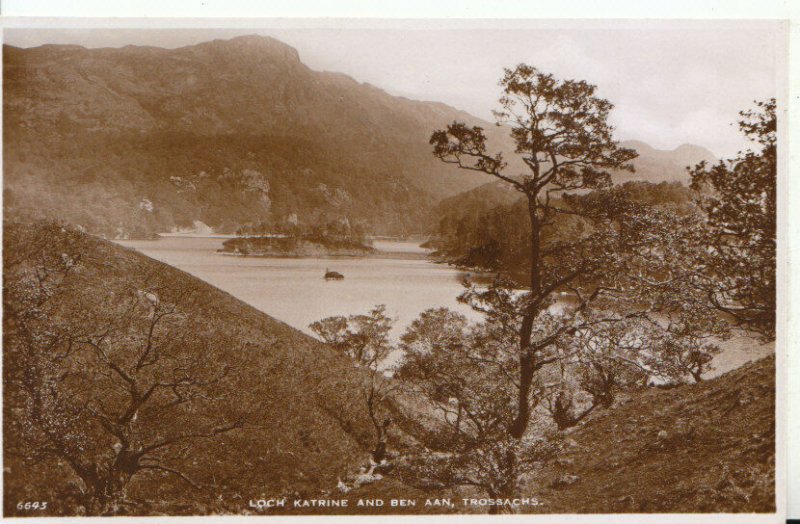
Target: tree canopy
[(739, 198)]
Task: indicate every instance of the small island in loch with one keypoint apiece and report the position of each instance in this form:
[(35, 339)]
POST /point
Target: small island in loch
[(337, 238), (295, 246)]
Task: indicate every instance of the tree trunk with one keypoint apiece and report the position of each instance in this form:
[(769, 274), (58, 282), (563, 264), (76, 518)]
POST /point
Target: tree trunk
[(520, 423), (506, 486), (526, 359), (106, 491)]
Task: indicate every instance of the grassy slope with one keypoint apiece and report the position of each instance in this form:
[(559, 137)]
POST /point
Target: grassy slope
[(310, 429), (718, 454)]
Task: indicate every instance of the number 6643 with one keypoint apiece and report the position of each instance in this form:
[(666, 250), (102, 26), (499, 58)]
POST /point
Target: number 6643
[(31, 505)]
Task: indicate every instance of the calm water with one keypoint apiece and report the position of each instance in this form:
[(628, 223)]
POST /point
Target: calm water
[(293, 290)]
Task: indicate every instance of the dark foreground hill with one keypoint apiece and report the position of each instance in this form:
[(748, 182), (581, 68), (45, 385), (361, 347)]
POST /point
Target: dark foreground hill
[(132, 387), (707, 447), (229, 132)]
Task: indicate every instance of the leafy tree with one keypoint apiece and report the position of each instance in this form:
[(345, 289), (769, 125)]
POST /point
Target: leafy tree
[(598, 360), (365, 339), (678, 352), (739, 199), (468, 373), (562, 134), (627, 258), (444, 357)]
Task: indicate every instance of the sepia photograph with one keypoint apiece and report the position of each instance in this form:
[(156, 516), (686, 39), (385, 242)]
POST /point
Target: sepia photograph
[(343, 267)]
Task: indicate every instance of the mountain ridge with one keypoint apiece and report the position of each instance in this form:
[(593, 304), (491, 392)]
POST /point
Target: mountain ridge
[(663, 165), (136, 140), (121, 100)]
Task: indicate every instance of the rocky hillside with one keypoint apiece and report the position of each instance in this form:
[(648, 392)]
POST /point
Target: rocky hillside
[(707, 447), (138, 139), (694, 448)]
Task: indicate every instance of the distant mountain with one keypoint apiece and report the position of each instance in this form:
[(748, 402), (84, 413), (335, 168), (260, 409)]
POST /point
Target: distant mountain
[(141, 139), (135, 140), (657, 165), (652, 165)]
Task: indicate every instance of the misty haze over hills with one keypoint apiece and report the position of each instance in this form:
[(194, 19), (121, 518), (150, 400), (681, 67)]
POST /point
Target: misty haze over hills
[(227, 133)]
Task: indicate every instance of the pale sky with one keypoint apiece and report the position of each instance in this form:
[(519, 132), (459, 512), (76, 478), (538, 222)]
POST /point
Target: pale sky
[(672, 82)]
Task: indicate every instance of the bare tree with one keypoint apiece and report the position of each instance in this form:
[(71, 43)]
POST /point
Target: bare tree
[(116, 382)]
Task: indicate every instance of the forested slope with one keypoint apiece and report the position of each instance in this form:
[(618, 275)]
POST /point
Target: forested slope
[(127, 141)]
